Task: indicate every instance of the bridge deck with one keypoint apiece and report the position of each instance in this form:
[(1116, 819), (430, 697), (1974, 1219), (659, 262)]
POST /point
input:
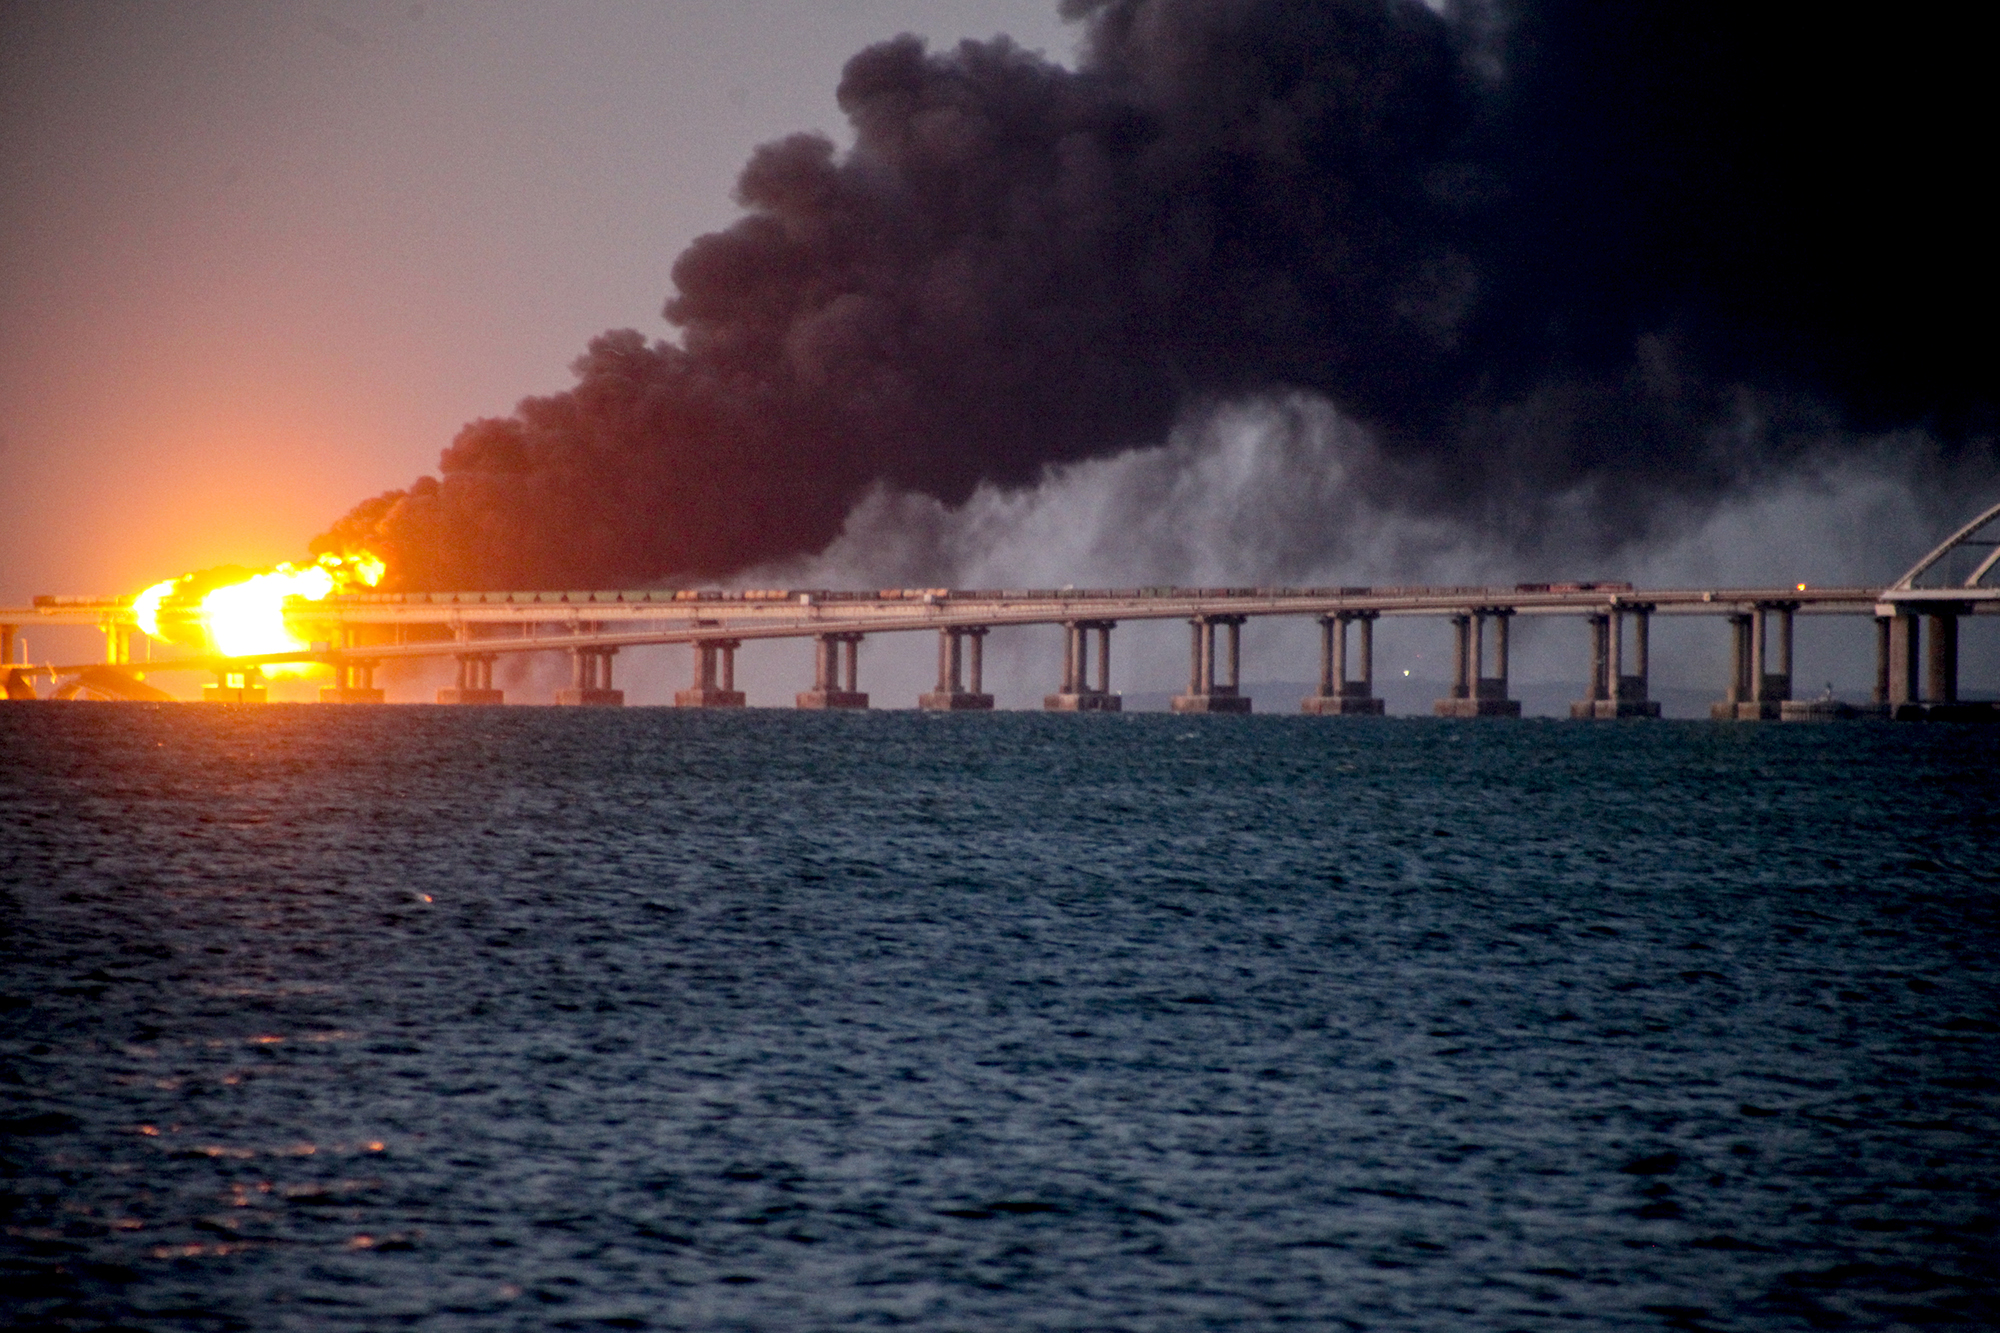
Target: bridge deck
[(545, 621)]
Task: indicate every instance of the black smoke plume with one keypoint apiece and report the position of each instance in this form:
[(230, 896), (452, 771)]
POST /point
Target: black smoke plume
[(1621, 253)]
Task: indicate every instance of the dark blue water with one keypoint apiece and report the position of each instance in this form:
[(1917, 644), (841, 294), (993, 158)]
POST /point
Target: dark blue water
[(528, 1018)]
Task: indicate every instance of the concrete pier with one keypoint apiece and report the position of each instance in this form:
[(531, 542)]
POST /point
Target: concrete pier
[(1941, 663), (1078, 695), (353, 682), (1916, 665), (236, 687), (1473, 692), (1338, 696), (1614, 691), (1739, 669), (1755, 691), (1882, 649), (1205, 693), (833, 687), (1901, 671), (20, 686), (475, 681), (590, 680), (714, 676), (961, 654)]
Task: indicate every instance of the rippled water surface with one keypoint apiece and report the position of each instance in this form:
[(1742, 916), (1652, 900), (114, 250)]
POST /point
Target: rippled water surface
[(538, 1018)]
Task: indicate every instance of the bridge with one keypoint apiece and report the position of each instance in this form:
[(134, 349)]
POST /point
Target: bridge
[(1916, 620)]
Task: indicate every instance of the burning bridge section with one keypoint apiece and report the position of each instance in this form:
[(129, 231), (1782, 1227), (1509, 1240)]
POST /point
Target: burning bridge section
[(349, 636), (327, 620)]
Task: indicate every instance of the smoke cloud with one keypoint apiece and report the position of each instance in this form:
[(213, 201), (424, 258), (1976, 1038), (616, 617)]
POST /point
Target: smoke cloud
[(1560, 272)]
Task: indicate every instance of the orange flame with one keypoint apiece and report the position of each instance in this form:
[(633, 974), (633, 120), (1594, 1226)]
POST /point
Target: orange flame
[(248, 615)]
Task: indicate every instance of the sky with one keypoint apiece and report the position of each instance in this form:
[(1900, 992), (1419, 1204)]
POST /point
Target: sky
[(263, 260)]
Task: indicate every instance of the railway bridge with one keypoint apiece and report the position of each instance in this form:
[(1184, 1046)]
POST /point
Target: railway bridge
[(1916, 623)]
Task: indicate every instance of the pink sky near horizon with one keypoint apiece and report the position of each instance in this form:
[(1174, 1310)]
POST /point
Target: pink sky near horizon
[(262, 261)]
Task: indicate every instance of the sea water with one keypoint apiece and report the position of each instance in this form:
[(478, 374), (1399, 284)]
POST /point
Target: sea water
[(534, 1018)]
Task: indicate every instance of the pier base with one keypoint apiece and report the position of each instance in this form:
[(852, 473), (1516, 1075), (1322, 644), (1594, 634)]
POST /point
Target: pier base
[(1606, 709), (335, 694), (1334, 705), (704, 696), (955, 701), (1481, 707), (237, 694), (1211, 703), (588, 698), (829, 699), (452, 694), (1087, 701)]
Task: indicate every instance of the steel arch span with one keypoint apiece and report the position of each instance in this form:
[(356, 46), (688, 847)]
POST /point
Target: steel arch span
[(1973, 549)]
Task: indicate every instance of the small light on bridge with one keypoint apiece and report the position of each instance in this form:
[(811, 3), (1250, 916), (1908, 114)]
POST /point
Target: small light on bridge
[(1802, 587)]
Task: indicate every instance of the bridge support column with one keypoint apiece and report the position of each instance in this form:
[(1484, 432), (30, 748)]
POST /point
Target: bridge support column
[(353, 683), (1777, 685), (1642, 652), (590, 680), (1769, 690), (833, 687), (1915, 680), (1338, 696), (1738, 692), (1596, 689), (1205, 693), (243, 686), (1473, 692), (1881, 695), (1941, 662), (20, 685), (353, 679), (1939, 659), (1078, 695), (961, 686), (475, 681), (714, 676), (1616, 692), (1904, 667)]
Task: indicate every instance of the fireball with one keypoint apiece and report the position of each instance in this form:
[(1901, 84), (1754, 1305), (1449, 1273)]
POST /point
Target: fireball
[(249, 617), (146, 607), (240, 614)]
